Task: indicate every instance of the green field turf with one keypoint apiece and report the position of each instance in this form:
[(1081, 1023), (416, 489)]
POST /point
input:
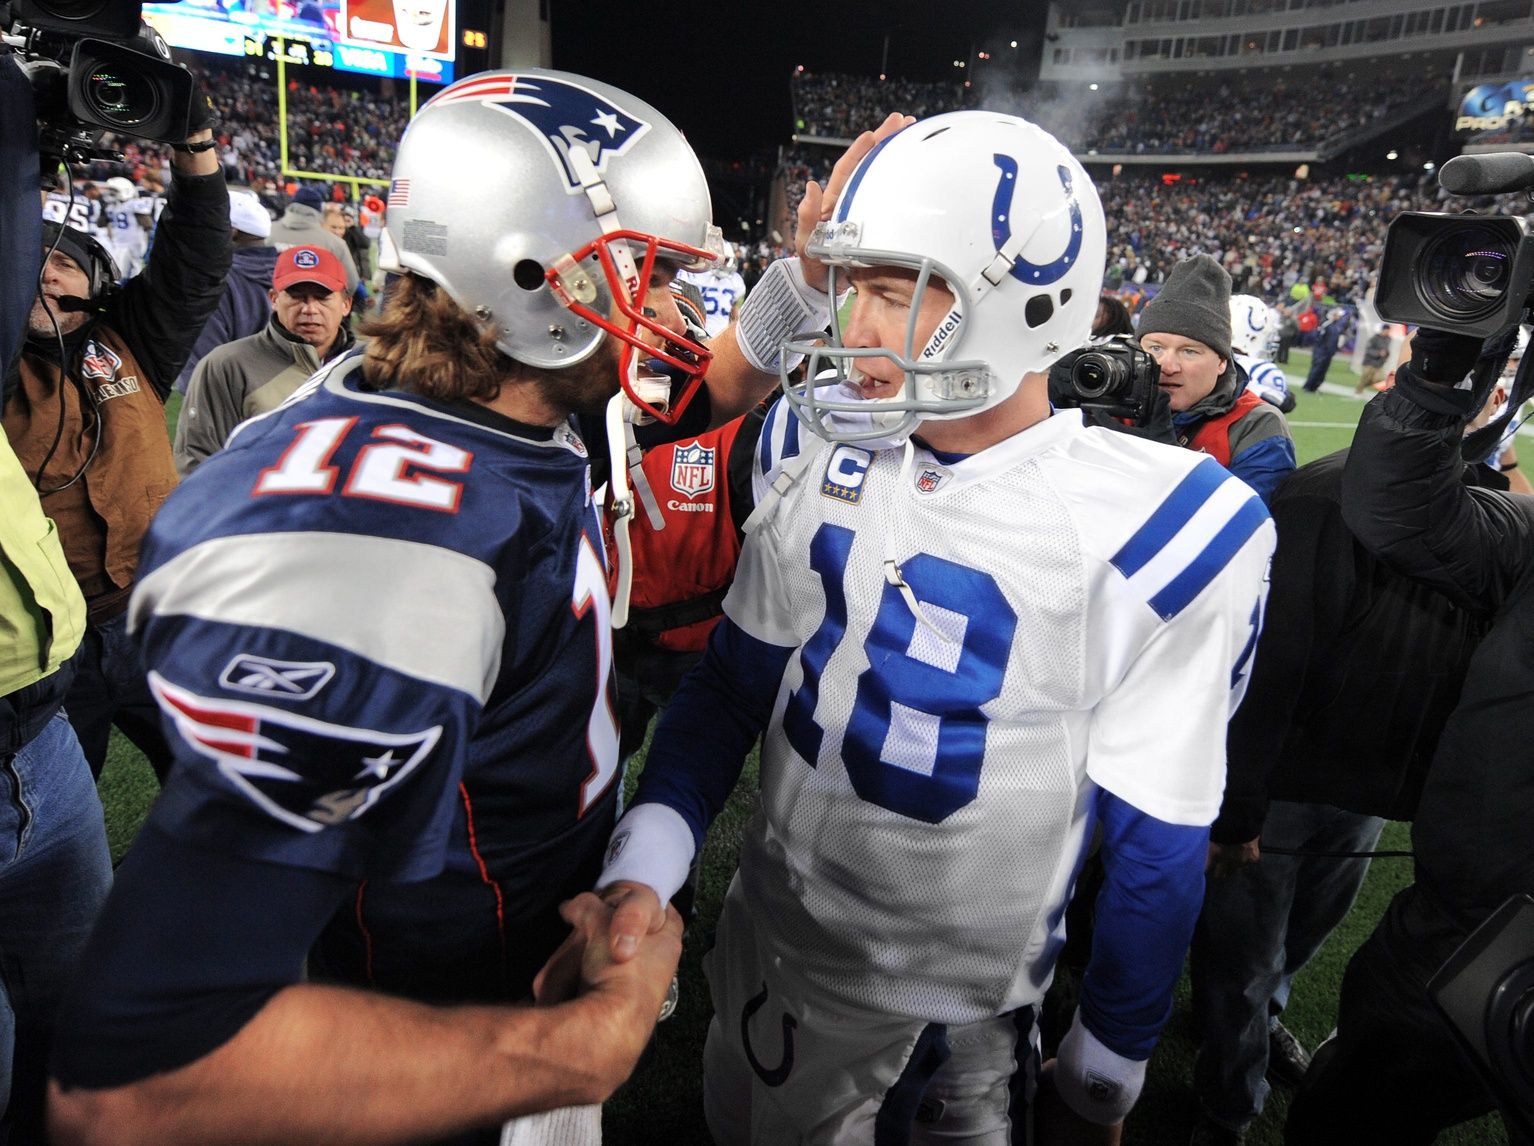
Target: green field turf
[(662, 1103)]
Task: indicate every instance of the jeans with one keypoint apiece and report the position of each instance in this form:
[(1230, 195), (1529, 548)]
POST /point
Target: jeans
[(1258, 927), (55, 872), (111, 688)]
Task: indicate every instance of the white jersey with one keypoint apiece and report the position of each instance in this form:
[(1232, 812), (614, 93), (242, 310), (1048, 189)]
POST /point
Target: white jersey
[(722, 290), (1088, 603), (126, 236), (80, 212), (1265, 379)]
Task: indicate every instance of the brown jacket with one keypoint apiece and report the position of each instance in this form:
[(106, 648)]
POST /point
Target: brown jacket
[(125, 358)]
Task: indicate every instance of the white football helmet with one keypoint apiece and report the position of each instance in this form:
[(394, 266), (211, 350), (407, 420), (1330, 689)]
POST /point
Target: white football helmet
[(1253, 326), (540, 201), (1003, 214), (121, 188)]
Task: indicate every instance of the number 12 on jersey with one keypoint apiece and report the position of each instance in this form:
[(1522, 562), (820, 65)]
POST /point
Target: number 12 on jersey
[(915, 741), (383, 470)]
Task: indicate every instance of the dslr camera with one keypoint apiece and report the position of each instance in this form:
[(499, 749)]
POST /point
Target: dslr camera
[(1468, 273), (1114, 377), (95, 66)]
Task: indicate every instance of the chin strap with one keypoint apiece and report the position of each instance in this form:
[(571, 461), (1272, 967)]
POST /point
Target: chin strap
[(892, 573), (620, 503)]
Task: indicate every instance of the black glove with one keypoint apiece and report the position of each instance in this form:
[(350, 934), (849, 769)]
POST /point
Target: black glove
[(1439, 362), (1437, 356), (200, 114)]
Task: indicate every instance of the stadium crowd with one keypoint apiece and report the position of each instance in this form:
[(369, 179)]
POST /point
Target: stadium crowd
[(1151, 116)]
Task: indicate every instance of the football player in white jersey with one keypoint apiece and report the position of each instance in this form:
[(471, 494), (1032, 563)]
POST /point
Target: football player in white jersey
[(722, 288), (1254, 338), (970, 630), (125, 220)]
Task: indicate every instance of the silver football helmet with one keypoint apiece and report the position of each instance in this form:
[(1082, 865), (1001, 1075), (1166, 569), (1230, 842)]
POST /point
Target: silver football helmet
[(541, 201), (1003, 215)]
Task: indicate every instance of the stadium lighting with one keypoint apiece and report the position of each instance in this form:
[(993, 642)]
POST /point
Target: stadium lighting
[(1391, 154), (1014, 43), (882, 76), (1092, 87), (1429, 165)]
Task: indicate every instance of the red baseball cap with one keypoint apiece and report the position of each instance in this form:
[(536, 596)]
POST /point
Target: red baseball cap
[(308, 265)]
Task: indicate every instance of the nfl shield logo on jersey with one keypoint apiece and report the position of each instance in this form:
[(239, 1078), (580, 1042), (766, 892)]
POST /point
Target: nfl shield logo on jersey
[(692, 470), (930, 478)]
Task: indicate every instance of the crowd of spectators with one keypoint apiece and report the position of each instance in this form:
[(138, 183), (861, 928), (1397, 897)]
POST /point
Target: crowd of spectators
[(1154, 116), (836, 106)]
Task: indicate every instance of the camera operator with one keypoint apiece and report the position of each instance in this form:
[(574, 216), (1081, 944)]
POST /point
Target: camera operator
[(1186, 329), (1393, 1072), (91, 433)]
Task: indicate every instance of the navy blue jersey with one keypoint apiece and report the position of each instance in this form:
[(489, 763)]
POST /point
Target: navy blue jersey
[(378, 628)]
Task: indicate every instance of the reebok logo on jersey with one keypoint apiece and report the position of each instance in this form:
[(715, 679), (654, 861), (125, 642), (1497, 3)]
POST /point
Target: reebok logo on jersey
[(845, 473), (306, 773), (282, 680), (692, 470)]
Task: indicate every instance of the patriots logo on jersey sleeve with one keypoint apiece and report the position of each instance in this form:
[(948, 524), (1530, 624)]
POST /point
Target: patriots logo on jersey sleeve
[(307, 773), (566, 115)]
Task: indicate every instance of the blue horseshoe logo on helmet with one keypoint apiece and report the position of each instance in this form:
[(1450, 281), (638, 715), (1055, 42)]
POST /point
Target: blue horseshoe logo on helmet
[(1251, 324), (1034, 274)]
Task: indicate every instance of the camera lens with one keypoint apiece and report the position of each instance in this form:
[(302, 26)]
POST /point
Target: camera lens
[(120, 98), (1465, 273), (1096, 374)]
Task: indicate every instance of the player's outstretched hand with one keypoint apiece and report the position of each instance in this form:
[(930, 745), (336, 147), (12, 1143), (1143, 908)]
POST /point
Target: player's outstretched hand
[(1056, 1124), (637, 912), (819, 202)]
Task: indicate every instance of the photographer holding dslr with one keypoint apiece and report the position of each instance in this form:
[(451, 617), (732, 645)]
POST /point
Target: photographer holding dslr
[(84, 408)]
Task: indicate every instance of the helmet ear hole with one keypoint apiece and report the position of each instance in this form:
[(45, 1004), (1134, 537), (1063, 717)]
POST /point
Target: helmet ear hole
[(1039, 310), (1065, 296), (528, 274)]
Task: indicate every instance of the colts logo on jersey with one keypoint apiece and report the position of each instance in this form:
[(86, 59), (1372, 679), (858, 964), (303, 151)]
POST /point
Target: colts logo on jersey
[(307, 773), (845, 473), (99, 361), (567, 116), (692, 470)]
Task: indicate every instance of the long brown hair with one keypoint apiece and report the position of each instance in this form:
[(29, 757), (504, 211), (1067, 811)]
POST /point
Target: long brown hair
[(426, 343)]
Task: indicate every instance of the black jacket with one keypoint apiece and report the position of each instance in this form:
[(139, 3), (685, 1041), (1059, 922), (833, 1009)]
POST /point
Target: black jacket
[(1474, 831), (1356, 671)]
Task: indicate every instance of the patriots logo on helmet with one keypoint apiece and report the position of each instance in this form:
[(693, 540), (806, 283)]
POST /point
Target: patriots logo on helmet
[(99, 361), (307, 773), (570, 118)]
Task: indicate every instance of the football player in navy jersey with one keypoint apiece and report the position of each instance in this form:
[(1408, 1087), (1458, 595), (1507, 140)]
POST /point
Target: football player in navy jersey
[(959, 622), (377, 624)]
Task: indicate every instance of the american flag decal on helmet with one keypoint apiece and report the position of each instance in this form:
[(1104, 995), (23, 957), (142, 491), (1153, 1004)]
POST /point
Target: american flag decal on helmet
[(566, 115), (310, 774), (399, 193)]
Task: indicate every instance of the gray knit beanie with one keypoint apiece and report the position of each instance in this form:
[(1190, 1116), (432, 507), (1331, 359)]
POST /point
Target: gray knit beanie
[(1194, 303)]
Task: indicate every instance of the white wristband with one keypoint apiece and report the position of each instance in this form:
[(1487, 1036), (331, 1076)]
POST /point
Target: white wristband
[(1098, 1084), (651, 845), (779, 306)]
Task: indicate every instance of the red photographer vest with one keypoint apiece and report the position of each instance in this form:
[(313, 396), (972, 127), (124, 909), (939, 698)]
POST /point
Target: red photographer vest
[(682, 572), (1213, 435)]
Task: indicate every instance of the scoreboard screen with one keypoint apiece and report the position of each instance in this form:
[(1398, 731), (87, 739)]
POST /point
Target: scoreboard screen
[(398, 38)]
